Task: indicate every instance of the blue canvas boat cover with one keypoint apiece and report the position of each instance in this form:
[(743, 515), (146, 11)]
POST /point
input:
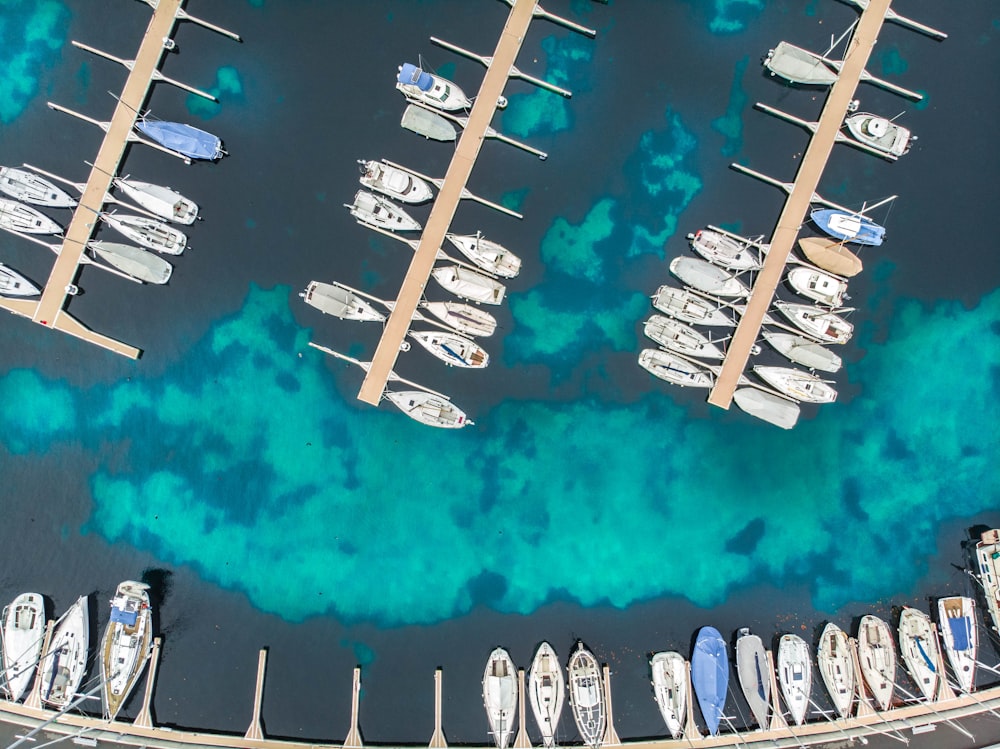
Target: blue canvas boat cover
[(960, 632), (184, 139), (411, 75), (710, 675), (121, 616)]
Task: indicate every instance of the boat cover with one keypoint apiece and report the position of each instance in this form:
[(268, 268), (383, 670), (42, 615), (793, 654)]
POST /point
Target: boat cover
[(411, 75), (427, 124), (710, 675), (184, 139), (123, 616), (768, 407), (851, 227), (960, 632)]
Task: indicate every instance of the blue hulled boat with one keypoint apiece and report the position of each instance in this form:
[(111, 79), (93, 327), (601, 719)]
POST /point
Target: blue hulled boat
[(184, 139), (850, 227), (710, 675)]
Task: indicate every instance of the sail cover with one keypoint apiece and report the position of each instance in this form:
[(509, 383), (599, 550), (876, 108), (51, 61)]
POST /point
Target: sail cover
[(411, 75), (960, 632)]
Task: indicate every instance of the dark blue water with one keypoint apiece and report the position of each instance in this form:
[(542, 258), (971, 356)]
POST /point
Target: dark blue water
[(589, 500)]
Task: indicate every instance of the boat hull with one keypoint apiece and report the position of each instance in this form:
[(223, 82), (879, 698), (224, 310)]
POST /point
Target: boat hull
[(134, 261), (849, 227), (586, 696), (374, 210), (29, 187), (753, 671), (831, 255), (331, 299), (13, 284), (430, 89), (920, 650), (463, 317), (798, 66), (500, 696), (66, 663), (183, 139), (825, 327), (837, 668), (877, 656), (803, 351), (546, 692), (797, 384), (394, 182), (670, 689), (674, 335), (429, 409), (23, 630), (710, 676), (671, 368), (988, 573), (774, 409), (149, 232), (24, 219), (795, 675), (488, 255), (164, 202), (879, 133), (957, 619), (688, 307), (467, 284), (819, 286), (724, 251), (428, 124), (126, 645), (452, 349), (711, 279)]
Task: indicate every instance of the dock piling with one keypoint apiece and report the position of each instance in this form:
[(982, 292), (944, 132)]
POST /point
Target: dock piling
[(35, 695), (438, 740), (521, 741), (610, 734), (256, 729), (145, 716), (353, 740)]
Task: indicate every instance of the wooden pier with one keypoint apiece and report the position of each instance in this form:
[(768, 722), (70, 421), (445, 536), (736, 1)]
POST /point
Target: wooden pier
[(443, 209), (793, 215)]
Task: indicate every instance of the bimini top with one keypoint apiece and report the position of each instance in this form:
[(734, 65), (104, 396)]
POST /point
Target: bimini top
[(184, 139), (411, 75)]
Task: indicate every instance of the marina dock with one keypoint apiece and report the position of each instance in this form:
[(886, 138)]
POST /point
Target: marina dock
[(446, 203), (793, 215)]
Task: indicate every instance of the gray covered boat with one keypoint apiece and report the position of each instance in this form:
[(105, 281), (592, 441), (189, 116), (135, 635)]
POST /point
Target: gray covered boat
[(804, 351), (703, 276), (468, 284), (428, 124), (798, 65), (774, 409), (754, 672), (134, 261)]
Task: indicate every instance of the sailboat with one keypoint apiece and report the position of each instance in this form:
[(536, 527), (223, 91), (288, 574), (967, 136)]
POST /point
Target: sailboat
[(24, 219), (372, 209), (23, 630), (500, 695), (831, 255), (686, 306), (957, 620), (920, 650), (823, 326), (988, 572), (796, 384), (675, 369), (850, 227), (837, 668), (674, 335), (65, 663), (724, 250), (184, 139), (803, 351), (467, 284), (795, 675), (148, 232), (29, 187), (546, 692), (14, 284), (463, 317), (488, 255), (452, 348), (670, 688), (162, 201), (586, 696), (754, 673), (126, 644), (710, 676), (134, 261), (770, 407), (332, 299), (877, 656)]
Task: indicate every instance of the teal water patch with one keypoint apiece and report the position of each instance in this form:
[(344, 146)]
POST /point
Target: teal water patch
[(892, 62), (730, 125), (228, 88), (44, 412), (514, 199), (31, 34), (732, 16), (573, 250)]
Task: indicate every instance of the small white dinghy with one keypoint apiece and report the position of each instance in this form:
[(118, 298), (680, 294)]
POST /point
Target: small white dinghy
[(797, 384), (724, 251), (770, 407), (880, 133), (877, 656), (332, 299), (686, 306), (488, 255), (670, 688), (754, 674), (467, 284), (24, 219), (452, 349), (162, 201), (428, 408), (134, 261), (836, 666), (65, 664), (674, 335), (957, 622), (29, 187), (371, 209), (148, 232), (13, 284), (500, 696), (395, 182), (819, 286), (821, 325), (546, 692), (463, 317), (795, 675), (674, 369), (804, 351), (711, 279), (921, 653), (23, 631)]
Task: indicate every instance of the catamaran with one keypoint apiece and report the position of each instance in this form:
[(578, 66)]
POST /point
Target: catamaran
[(586, 696), (724, 250), (819, 286), (14, 284), (333, 299), (679, 337), (710, 676), (822, 325), (463, 317), (795, 383), (836, 666), (880, 133), (65, 664), (452, 348), (134, 261), (395, 182), (804, 351), (184, 139), (753, 670), (23, 630), (988, 560), (957, 622), (148, 232), (372, 209), (18, 217), (770, 407), (921, 653), (162, 201), (795, 675), (29, 187), (850, 227), (711, 279), (546, 692), (670, 688), (433, 90), (686, 306), (467, 284), (488, 255), (877, 656), (500, 696), (126, 644)]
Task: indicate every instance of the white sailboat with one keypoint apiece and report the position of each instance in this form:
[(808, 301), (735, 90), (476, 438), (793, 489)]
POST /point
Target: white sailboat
[(724, 250), (988, 572), (686, 306), (430, 409), (23, 631), (957, 622), (395, 182), (134, 261), (162, 201), (877, 656), (804, 351), (452, 349), (821, 287), (675, 369), (670, 688), (711, 279), (372, 209), (921, 653), (24, 219), (14, 284), (837, 668), (754, 673), (463, 317), (500, 696), (797, 384), (126, 644), (674, 335), (487, 254), (795, 675), (822, 325), (65, 664), (148, 232), (467, 284), (546, 692), (333, 299), (29, 187), (586, 696)]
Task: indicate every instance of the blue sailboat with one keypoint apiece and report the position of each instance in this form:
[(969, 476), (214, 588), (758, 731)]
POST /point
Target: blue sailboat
[(710, 675), (850, 227), (183, 139)]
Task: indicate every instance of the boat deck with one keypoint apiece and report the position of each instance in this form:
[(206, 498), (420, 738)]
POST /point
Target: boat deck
[(443, 209), (793, 215)]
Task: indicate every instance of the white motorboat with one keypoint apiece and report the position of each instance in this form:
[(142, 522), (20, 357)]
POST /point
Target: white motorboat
[(821, 287), (29, 187), (877, 656), (23, 631), (988, 574), (467, 284), (753, 670), (804, 351), (831, 255), (452, 348), (674, 369), (126, 644), (463, 317), (795, 675), (332, 299), (711, 279), (674, 335), (24, 219), (428, 408), (770, 407), (836, 666), (724, 251), (546, 692), (134, 261), (586, 696), (957, 623), (670, 688), (374, 210), (162, 201), (433, 90), (148, 232), (686, 306), (921, 653), (822, 325), (14, 284), (488, 255), (795, 383), (65, 664), (500, 696), (880, 133), (395, 182)]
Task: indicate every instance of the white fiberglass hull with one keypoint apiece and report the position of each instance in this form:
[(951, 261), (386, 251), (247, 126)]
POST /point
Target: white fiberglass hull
[(674, 335), (670, 688), (149, 233), (957, 621), (429, 409), (586, 696), (24, 219), (724, 251), (819, 286), (463, 317), (66, 662), (921, 653), (331, 299), (164, 202), (837, 668), (452, 349), (686, 306), (804, 351), (13, 284), (488, 255), (126, 645), (823, 326), (877, 656), (500, 696), (374, 210), (394, 182), (753, 671), (797, 384), (546, 692), (29, 187), (467, 284), (671, 368), (795, 675), (711, 279), (23, 630)]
